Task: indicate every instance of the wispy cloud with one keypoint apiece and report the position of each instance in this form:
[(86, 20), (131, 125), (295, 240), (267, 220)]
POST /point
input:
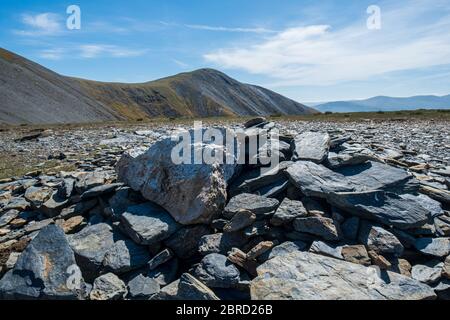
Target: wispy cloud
[(228, 29), (43, 24), (101, 50), (321, 55), (90, 51), (181, 64)]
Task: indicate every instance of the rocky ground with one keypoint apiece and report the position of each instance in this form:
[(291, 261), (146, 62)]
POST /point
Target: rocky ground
[(355, 210)]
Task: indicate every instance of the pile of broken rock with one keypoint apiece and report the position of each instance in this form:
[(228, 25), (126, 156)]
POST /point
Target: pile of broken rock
[(334, 220)]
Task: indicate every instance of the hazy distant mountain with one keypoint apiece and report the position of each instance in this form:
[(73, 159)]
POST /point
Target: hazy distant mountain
[(30, 93), (382, 103)]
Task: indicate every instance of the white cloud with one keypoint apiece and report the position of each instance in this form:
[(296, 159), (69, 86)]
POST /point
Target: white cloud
[(228, 29), (321, 55), (99, 50), (181, 64), (52, 54), (43, 24), (89, 51)]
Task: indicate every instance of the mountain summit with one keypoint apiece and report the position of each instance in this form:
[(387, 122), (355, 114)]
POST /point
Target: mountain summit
[(30, 93)]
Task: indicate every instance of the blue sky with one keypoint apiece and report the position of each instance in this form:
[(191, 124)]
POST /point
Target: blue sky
[(306, 50)]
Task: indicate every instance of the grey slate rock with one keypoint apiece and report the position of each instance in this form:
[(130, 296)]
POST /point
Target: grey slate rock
[(43, 270), (100, 190), (318, 226), (165, 273), (311, 146), (142, 287), (240, 220), (8, 216), (90, 246), (160, 259), (221, 242), (184, 242), (189, 288), (257, 204), (108, 287), (217, 272), (148, 224), (426, 274), (307, 276), (438, 247), (283, 249), (288, 211), (326, 249), (380, 240), (125, 255), (383, 207)]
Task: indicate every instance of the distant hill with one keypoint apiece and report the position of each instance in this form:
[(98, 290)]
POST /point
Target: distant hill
[(383, 103), (30, 93)]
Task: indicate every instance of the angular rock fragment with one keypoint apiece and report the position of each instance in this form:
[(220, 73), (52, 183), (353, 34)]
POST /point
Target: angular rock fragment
[(385, 208), (438, 247), (356, 254), (426, 274), (242, 219), (142, 287), (108, 287), (45, 270), (160, 259), (307, 276), (288, 211), (311, 146), (189, 288), (148, 224), (124, 256), (221, 242), (380, 240), (217, 272), (90, 246), (257, 204), (283, 249), (325, 249), (318, 226), (184, 243), (37, 196)]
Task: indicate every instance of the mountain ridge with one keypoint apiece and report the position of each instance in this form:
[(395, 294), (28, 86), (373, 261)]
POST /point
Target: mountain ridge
[(386, 103), (31, 93)]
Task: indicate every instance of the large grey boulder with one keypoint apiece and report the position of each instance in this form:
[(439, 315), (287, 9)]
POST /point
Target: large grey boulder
[(148, 224), (311, 146), (45, 270), (307, 276), (191, 193)]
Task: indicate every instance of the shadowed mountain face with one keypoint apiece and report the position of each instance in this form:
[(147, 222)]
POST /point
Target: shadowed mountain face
[(382, 103), (30, 93)]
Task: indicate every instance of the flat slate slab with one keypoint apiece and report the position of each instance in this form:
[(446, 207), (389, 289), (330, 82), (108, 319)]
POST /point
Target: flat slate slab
[(148, 224), (307, 276)]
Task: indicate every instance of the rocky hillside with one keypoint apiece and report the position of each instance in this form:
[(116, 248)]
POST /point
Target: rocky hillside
[(30, 93), (351, 212)]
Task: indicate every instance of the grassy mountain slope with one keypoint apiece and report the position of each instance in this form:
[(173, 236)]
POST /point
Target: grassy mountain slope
[(30, 93)]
